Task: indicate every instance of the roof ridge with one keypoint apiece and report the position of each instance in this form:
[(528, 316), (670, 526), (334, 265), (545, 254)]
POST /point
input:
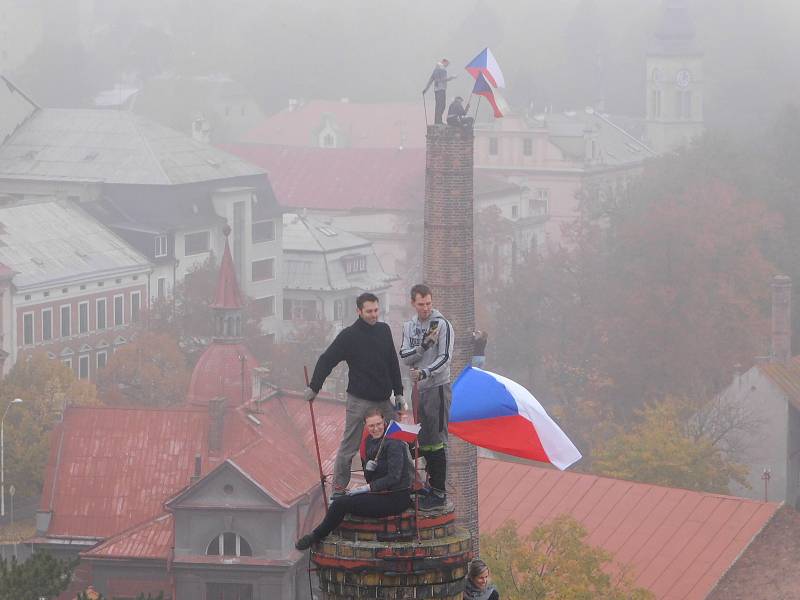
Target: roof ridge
[(132, 118)]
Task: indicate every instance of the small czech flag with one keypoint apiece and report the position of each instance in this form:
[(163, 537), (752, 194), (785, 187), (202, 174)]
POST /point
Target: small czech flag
[(402, 431)]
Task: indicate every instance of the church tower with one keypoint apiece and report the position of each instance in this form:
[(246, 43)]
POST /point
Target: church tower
[(674, 101)]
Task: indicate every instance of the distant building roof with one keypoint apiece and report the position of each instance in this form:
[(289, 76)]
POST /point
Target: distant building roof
[(341, 179), (679, 543), (218, 374), (50, 242), (786, 377), (316, 257), (111, 146), (356, 125)]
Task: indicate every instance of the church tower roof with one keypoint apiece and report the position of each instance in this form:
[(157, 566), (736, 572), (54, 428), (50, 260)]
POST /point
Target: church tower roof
[(225, 369), (675, 33)]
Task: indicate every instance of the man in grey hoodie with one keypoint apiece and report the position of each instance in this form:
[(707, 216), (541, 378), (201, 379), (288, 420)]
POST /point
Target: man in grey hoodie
[(427, 348), (439, 80)]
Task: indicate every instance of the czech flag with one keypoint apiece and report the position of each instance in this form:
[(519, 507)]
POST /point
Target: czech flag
[(486, 64), (483, 88), (402, 431), (495, 413)]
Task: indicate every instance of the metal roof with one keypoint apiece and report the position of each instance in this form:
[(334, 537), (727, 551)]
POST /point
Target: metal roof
[(51, 242), (152, 539), (678, 543), (111, 146), (786, 377)]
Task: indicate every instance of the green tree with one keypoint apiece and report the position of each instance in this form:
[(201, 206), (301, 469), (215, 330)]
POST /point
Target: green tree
[(554, 561), (46, 387), (667, 447), (41, 576)]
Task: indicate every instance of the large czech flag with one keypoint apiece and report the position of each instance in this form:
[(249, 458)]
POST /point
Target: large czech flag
[(483, 88), (485, 63), (495, 413)]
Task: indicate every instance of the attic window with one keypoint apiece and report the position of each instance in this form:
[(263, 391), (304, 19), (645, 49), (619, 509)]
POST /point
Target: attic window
[(327, 231), (213, 163), (632, 147), (355, 264), (91, 156), (229, 544)]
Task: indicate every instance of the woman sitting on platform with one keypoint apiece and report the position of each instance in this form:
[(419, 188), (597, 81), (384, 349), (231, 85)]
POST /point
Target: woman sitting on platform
[(478, 586), (389, 473)]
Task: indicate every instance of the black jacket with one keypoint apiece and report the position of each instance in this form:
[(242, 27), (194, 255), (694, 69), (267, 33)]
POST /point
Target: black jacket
[(371, 358), (394, 470)]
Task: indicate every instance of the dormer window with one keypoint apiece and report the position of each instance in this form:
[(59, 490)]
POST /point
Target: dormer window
[(229, 544), (355, 264), (160, 249), (328, 141)]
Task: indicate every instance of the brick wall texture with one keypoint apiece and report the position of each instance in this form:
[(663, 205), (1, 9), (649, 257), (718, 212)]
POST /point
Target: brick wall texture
[(448, 270)]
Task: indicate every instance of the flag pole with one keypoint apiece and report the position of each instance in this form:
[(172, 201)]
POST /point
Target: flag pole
[(316, 442), (425, 109), (477, 106), (416, 486)]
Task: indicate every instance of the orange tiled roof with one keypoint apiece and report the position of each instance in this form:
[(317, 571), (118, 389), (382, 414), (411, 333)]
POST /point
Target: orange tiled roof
[(679, 543)]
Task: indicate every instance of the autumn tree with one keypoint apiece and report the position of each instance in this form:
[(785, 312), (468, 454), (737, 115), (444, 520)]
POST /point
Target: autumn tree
[(151, 370), (674, 445), (46, 388), (41, 576), (188, 315), (554, 561), (286, 359)]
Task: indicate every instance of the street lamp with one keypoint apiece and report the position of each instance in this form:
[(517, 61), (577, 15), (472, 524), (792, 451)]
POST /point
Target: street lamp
[(3, 458)]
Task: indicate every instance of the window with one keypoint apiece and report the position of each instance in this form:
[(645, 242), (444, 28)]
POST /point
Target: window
[(160, 246), (83, 367), (27, 329), (119, 316), (355, 264), (328, 141), (493, 146), (266, 306), (263, 231), (683, 104), (101, 313), (67, 362), (261, 270), (338, 310), (102, 359), (66, 325), (83, 317), (299, 310), (527, 147), (539, 204), (161, 287), (229, 591), (196, 243), (136, 301), (655, 104), (47, 324), (229, 544), (514, 211)]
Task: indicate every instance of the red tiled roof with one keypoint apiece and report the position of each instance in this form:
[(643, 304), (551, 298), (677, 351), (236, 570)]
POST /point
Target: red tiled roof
[(677, 542), (389, 125), (218, 373), (149, 540), (341, 179), (112, 467), (786, 377)]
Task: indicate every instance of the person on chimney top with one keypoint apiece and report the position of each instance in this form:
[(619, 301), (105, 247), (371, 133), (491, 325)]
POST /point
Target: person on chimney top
[(389, 472), (374, 373), (457, 113), (439, 81), (427, 348)]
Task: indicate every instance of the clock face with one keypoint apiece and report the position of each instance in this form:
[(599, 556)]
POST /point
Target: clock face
[(683, 78)]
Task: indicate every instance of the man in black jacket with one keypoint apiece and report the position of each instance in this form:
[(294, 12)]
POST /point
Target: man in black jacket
[(374, 373)]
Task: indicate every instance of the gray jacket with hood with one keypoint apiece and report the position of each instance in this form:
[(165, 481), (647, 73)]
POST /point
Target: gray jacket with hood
[(433, 363)]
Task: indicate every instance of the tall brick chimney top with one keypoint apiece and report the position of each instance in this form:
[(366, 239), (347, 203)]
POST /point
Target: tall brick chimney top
[(448, 269), (781, 338)]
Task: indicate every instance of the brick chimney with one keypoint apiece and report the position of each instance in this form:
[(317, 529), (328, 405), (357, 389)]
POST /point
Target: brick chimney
[(781, 351), (448, 269), (216, 424)]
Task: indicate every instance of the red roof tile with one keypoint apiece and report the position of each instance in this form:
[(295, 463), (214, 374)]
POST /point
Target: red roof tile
[(149, 540), (389, 125), (342, 179), (678, 542), (112, 467)]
